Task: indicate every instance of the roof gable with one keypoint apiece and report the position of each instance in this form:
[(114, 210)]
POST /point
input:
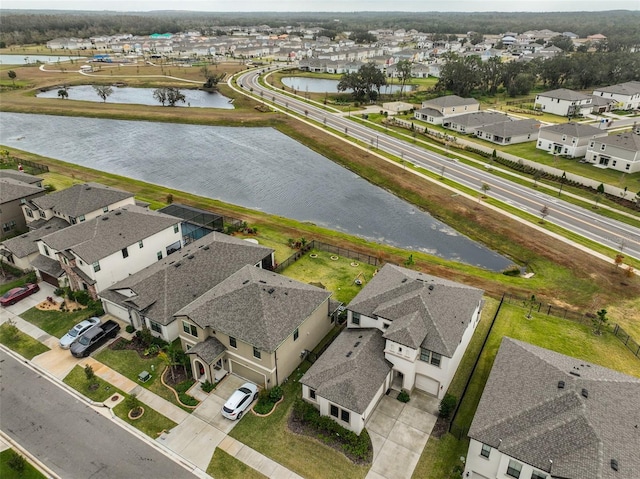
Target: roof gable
[(81, 199)]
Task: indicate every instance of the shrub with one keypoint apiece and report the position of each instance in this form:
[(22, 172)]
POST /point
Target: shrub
[(89, 373), (82, 297), (403, 396), (184, 385), (17, 462), (208, 386), (129, 329), (187, 400), (447, 405), (58, 292), (515, 271), (132, 401), (95, 307), (276, 393)]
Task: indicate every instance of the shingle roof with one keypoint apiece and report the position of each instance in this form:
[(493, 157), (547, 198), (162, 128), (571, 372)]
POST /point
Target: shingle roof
[(524, 414), (19, 176), (430, 111), (512, 128), (479, 118), (256, 306), (102, 236), (450, 101), (81, 199), (26, 244), (48, 265), (208, 350), (162, 288), (572, 129), (399, 294), (350, 380), (625, 141), (565, 94), (628, 88), (12, 190)]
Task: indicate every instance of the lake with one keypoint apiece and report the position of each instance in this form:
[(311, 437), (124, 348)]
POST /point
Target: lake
[(324, 85), (258, 168), (26, 59), (143, 96)]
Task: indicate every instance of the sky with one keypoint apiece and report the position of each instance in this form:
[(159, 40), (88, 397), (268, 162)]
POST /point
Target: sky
[(328, 5)]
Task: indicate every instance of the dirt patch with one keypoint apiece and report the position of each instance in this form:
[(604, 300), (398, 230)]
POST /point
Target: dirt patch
[(440, 428), (50, 304), (179, 376)]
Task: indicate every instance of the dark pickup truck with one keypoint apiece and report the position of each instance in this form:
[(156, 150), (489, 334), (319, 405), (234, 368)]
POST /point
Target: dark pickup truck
[(93, 338)]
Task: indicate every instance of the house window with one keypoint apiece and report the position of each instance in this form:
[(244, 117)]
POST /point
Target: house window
[(628, 166), (430, 357), (29, 213), (155, 327), (42, 214), (140, 244), (613, 163), (125, 253), (435, 359), (46, 250), (232, 342), (334, 411), (564, 137), (189, 329), (355, 318), (345, 416), (72, 219), (591, 144), (296, 333), (514, 469), (105, 209), (256, 353), (538, 475), (486, 451), (539, 143), (81, 218), (8, 226), (159, 254), (312, 394), (176, 228), (602, 147)]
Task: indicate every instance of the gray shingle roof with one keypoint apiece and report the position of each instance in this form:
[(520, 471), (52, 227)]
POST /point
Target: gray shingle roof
[(208, 350), (572, 129), (81, 199), (256, 306), (12, 189), (628, 88), (19, 176), (350, 381), (479, 118), (26, 244), (565, 94), (625, 141), (450, 101), (445, 307), (431, 112), (512, 128), (100, 237), (162, 288), (47, 265), (524, 414)]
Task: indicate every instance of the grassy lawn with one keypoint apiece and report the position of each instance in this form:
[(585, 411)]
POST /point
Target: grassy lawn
[(21, 343), (226, 466), (439, 457), (337, 276), (56, 323), (130, 364), (152, 423), (302, 454), (6, 472)]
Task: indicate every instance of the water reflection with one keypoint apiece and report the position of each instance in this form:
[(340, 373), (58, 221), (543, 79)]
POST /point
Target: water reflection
[(322, 85)]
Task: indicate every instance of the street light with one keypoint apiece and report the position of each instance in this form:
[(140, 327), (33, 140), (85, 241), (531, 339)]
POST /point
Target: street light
[(562, 180)]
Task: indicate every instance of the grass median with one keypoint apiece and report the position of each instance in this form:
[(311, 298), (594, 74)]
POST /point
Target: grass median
[(21, 343)]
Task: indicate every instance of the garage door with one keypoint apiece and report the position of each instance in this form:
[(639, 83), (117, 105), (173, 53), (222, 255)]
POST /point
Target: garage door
[(47, 278), (427, 384), (245, 372)]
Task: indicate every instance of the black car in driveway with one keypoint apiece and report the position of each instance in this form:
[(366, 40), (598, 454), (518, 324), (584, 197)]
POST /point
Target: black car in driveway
[(94, 337)]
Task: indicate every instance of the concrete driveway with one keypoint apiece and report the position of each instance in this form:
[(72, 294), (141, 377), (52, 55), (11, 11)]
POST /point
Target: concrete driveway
[(399, 433), (30, 301)]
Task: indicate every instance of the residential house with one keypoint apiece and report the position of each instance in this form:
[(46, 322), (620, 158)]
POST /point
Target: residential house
[(470, 122), (568, 139), (21, 250), (94, 254), (436, 110), (509, 132), (14, 192), (151, 297), (545, 415), (411, 328), (563, 102), (601, 104), (619, 152), (626, 95), (256, 324), (78, 203)]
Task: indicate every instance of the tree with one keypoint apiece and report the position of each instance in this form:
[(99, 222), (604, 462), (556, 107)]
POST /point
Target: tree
[(562, 42), (213, 80), (365, 83), (618, 260), (460, 75), (12, 75), (536, 177), (404, 73), (63, 93), (544, 212), (103, 91), (485, 189), (160, 94), (172, 356), (174, 96), (600, 320)]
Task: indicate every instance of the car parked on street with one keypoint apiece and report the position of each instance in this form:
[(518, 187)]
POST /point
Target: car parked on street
[(94, 337), (77, 331), (239, 401), (16, 294)]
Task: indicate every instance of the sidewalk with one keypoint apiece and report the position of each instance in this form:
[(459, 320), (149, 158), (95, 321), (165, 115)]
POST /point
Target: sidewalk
[(197, 434)]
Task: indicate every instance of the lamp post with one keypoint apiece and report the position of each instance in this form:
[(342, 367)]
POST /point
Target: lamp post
[(562, 180)]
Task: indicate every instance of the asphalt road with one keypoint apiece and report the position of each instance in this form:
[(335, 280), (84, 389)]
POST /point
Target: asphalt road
[(582, 221), (70, 437)]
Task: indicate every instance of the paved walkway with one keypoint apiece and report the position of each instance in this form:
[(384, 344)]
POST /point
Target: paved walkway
[(196, 436)]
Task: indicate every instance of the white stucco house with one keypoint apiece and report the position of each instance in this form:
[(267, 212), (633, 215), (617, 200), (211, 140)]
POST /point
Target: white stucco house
[(544, 415), (509, 132), (405, 330), (436, 110), (626, 95), (568, 139), (563, 102), (618, 152)]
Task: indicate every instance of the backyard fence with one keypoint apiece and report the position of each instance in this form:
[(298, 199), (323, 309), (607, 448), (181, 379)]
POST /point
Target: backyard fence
[(30, 167), (329, 248), (627, 340), (547, 309)]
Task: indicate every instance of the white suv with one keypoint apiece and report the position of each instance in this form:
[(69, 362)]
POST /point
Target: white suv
[(239, 401), (77, 331)]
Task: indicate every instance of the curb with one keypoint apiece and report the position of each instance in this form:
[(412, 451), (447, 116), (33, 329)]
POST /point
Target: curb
[(34, 461)]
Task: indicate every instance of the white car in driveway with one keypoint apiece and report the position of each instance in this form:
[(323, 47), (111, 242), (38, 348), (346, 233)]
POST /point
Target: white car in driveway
[(239, 401), (77, 331)]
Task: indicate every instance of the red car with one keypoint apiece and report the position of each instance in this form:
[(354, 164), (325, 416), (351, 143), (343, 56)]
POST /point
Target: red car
[(16, 294)]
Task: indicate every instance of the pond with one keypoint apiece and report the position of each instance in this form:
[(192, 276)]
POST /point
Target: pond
[(143, 96), (27, 59), (324, 85), (258, 168)]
